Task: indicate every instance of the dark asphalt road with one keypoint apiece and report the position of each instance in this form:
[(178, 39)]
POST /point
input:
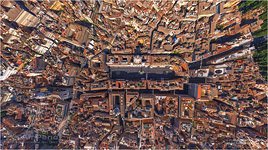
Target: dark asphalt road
[(206, 61)]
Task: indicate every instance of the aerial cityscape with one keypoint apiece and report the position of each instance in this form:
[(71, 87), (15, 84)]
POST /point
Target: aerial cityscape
[(133, 74)]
